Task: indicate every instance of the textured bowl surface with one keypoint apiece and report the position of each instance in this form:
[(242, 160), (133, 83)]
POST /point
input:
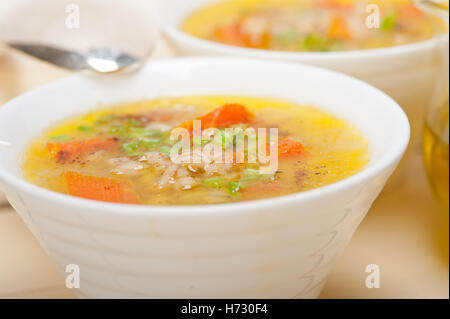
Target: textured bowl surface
[(275, 248)]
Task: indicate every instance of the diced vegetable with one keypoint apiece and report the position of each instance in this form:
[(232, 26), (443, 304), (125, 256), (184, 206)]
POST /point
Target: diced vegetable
[(143, 132), (83, 128), (149, 143), (69, 151), (223, 138), (134, 122), (134, 131), (118, 130), (234, 187), (165, 150), (223, 116), (60, 138), (288, 147), (216, 182), (231, 34), (314, 42), (200, 141), (132, 148), (100, 188), (338, 29), (287, 37), (229, 114), (252, 146), (389, 22), (251, 175), (411, 11)]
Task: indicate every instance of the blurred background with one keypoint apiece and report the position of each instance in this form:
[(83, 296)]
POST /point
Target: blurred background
[(405, 233)]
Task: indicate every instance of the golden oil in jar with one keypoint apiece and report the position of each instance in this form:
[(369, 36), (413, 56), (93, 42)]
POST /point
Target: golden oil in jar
[(436, 154)]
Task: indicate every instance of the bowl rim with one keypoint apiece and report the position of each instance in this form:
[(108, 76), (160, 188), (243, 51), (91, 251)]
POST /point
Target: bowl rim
[(370, 172)]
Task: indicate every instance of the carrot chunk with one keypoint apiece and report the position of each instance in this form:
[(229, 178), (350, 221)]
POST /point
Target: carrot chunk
[(409, 11), (69, 151), (230, 34), (338, 29), (288, 147), (99, 188), (223, 116)]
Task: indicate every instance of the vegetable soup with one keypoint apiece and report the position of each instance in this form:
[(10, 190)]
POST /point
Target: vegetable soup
[(302, 25), (195, 150)]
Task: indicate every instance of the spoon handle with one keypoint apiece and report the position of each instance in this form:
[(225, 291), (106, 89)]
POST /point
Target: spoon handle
[(60, 57)]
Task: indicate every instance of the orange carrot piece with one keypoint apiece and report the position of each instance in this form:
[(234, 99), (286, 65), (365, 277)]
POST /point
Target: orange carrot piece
[(100, 188), (69, 151), (223, 116), (230, 34), (410, 11), (230, 114), (338, 29), (288, 147)]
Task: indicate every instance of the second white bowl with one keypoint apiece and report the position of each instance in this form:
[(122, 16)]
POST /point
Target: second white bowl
[(405, 72)]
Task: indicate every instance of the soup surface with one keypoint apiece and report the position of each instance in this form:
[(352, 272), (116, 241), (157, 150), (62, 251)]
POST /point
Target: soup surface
[(131, 153), (302, 25)]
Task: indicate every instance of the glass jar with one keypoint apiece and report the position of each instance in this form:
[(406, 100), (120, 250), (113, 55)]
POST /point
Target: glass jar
[(436, 129)]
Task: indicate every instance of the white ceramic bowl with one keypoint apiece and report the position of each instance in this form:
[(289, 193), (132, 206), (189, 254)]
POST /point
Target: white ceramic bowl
[(405, 72), (279, 248)]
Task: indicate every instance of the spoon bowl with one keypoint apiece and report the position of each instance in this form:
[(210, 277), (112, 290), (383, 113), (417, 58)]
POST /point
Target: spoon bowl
[(101, 59)]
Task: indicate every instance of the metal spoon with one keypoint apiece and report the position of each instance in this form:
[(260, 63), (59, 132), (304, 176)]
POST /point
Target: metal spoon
[(100, 60)]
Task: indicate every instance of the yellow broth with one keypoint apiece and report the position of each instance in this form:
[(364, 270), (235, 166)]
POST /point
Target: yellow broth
[(302, 25), (333, 150)]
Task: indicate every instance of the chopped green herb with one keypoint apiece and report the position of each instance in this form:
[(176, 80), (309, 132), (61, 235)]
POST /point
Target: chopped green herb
[(337, 46), (60, 138), (147, 143), (83, 128), (252, 145), (165, 150), (200, 140), (314, 42), (223, 138), (131, 148), (141, 132), (134, 122), (214, 182), (234, 188), (250, 175), (287, 37), (165, 137), (253, 175), (389, 22), (117, 130)]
